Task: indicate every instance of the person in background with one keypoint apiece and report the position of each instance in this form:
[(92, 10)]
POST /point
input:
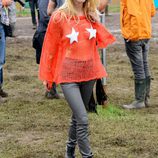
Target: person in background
[(136, 31), (12, 14), (3, 3), (41, 30), (34, 7), (53, 5), (70, 58), (12, 17), (102, 5), (107, 8)]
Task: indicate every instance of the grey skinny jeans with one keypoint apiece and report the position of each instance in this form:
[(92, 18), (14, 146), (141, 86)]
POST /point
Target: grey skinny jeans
[(78, 96), (137, 52)]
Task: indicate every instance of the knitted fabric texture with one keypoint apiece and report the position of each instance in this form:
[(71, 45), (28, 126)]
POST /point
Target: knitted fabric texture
[(70, 50)]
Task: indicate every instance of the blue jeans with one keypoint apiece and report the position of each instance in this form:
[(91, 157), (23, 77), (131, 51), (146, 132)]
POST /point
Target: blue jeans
[(137, 51), (2, 52)]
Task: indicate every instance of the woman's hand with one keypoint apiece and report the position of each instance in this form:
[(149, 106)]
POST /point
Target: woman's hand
[(48, 85), (51, 7), (102, 5), (94, 17), (7, 3)]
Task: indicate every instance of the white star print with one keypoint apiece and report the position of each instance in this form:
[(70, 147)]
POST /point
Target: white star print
[(73, 36), (92, 32)]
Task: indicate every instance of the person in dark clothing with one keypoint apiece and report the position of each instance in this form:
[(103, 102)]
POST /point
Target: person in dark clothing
[(40, 33), (33, 7), (3, 20)]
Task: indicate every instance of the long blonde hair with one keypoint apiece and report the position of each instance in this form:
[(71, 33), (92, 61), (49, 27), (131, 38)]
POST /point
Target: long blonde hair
[(89, 8)]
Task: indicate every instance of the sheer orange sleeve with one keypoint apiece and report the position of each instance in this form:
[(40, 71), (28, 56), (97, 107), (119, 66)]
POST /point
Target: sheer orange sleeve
[(104, 37), (50, 51)]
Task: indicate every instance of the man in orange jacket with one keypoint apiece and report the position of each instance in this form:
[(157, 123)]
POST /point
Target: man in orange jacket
[(136, 30)]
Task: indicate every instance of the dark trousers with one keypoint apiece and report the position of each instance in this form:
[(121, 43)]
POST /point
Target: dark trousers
[(137, 51), (33, 7)]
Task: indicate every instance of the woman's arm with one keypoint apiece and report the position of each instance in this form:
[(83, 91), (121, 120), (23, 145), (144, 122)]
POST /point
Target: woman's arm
[(102, 5), (51, 7)]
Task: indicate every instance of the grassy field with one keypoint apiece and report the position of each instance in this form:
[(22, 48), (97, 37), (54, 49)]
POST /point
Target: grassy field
[(34, 127), (23, 13), (114, 8)]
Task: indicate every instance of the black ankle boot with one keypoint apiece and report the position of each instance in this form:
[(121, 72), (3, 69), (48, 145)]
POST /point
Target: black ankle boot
[(70, 152)]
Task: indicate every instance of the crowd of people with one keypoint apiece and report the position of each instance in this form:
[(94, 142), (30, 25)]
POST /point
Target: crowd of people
[(63, 28)]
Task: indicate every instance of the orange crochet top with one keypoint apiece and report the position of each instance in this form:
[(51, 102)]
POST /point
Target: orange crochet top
[(70, 50)]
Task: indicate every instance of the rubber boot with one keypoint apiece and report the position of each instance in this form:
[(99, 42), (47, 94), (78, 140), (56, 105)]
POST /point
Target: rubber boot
[(147, 93), (70, 152), (140, 88)]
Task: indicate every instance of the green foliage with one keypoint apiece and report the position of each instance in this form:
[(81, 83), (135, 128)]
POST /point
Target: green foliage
[(23, 13), (114, 8)]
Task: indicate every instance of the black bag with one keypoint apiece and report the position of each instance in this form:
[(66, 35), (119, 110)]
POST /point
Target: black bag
[(100, 93), (8, 30), (92, 105), (37, 43), (101, 97)]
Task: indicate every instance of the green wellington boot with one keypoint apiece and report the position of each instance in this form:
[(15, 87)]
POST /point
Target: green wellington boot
[(140, 88), (70, 152), (147, 93)]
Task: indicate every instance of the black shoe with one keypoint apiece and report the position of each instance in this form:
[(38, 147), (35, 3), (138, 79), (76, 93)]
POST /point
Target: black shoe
[(3, 93)]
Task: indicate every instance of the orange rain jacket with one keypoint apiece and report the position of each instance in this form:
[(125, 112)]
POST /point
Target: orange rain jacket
[(136, 19), (70, 52)]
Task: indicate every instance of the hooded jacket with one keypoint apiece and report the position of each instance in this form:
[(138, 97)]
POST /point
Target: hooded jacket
[(135, 19)]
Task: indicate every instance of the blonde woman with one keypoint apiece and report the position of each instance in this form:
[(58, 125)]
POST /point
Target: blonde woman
[(70, 58)]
